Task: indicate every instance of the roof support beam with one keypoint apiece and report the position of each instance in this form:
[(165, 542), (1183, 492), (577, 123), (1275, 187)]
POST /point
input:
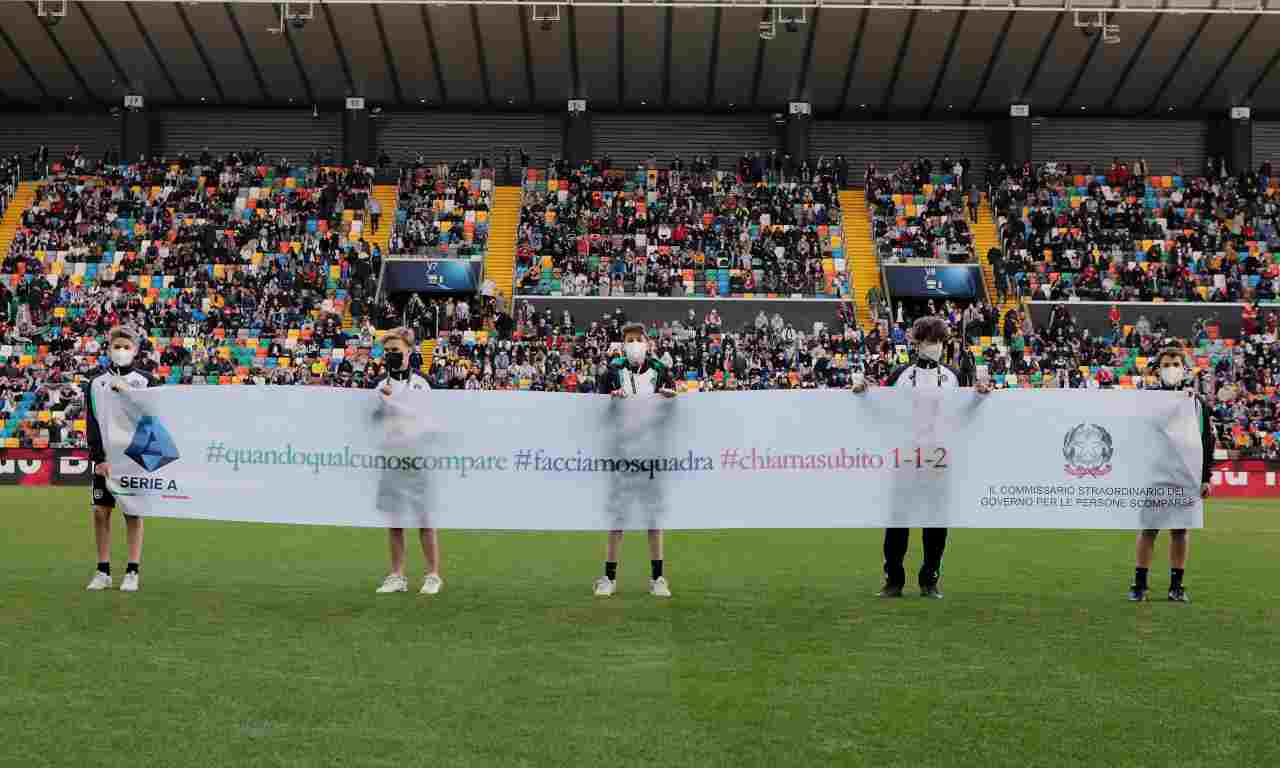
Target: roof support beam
[(527, 53), (155, 53), (1226, 62), (619, 35), (392, 70), (430, 32), (1027, 88), (480, 55), (121, 76), (297, 62), (26, 66), (1263, 75), (573, 54), (342, 52), (715, 60), (200, 51), (248, 52), (1182, 59), (1079, 75), (996, 50), (1133, 60), (886, 102), (941, 78), (854, 49), (806, 60), (759, 68), (666, 55), (71, 67)]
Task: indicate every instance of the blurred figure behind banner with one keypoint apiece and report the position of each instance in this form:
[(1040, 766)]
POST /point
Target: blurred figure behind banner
[(398, 345), (636, 374)]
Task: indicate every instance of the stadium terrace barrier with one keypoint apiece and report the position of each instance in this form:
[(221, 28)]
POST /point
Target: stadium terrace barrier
[(44, 466), (1246, 479), (734, 312), (1093, 315)]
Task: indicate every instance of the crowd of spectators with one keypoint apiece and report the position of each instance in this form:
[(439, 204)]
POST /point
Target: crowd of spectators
[(443, 210), (1130, 235), (601, 231), (235, 272), (923, 211), (239, 272)]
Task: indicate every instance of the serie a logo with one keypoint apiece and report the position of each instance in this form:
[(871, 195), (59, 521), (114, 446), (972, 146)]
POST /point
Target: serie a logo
[(151, 448), (1088, 450)]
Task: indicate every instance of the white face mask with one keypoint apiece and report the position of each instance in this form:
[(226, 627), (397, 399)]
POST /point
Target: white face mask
[(931, 351), (1172, 377), (636, 351), (122, 357)]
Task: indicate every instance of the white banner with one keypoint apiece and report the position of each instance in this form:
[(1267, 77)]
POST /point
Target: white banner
[(543, 461)]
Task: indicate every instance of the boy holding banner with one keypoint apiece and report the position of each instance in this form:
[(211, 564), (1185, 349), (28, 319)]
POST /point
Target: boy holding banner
[(636, 374), (1170, 365), (929, 335), (119, 376), (397, 347)]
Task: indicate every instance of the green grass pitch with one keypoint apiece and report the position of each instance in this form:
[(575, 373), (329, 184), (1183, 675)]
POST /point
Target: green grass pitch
[(265, 645)]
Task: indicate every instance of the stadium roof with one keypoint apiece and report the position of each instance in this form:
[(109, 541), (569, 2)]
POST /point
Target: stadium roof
[(959, 56)]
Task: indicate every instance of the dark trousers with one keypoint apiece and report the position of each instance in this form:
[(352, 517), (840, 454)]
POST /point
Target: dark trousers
[(895, 550)]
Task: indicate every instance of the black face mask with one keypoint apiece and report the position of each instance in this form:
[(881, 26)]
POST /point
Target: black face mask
[(395, 360)]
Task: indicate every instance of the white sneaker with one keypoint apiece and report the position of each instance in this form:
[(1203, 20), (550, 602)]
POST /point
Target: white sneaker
[(393, 583), (658, 587), (129, 583), (605, 587), (431, 585), (99, 582)]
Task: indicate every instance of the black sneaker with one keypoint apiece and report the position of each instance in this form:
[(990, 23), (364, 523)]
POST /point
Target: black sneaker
[(890, 590), (931, 592), (1138, 594), (1178, 595)]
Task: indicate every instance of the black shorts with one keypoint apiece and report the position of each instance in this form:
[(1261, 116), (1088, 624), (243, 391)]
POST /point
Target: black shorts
[(102, 496)]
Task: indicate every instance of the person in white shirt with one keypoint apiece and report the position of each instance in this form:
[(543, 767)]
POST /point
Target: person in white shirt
[(397, 346), (929, 334), (637, 374), (101, 403)]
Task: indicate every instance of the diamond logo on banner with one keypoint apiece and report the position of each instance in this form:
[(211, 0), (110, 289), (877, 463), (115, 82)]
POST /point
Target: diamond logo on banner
[(152, 447)]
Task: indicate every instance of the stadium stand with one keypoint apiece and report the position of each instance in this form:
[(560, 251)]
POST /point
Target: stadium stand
[(443, 211), (603, 231), (919, 212), (237, 274), (247, 273), (1125, 235)]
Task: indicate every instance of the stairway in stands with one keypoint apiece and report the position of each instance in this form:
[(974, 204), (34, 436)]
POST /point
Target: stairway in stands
[(387, 196), (500, 258), (860, 246), (22, 200), (985, 238), (428, 349)]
